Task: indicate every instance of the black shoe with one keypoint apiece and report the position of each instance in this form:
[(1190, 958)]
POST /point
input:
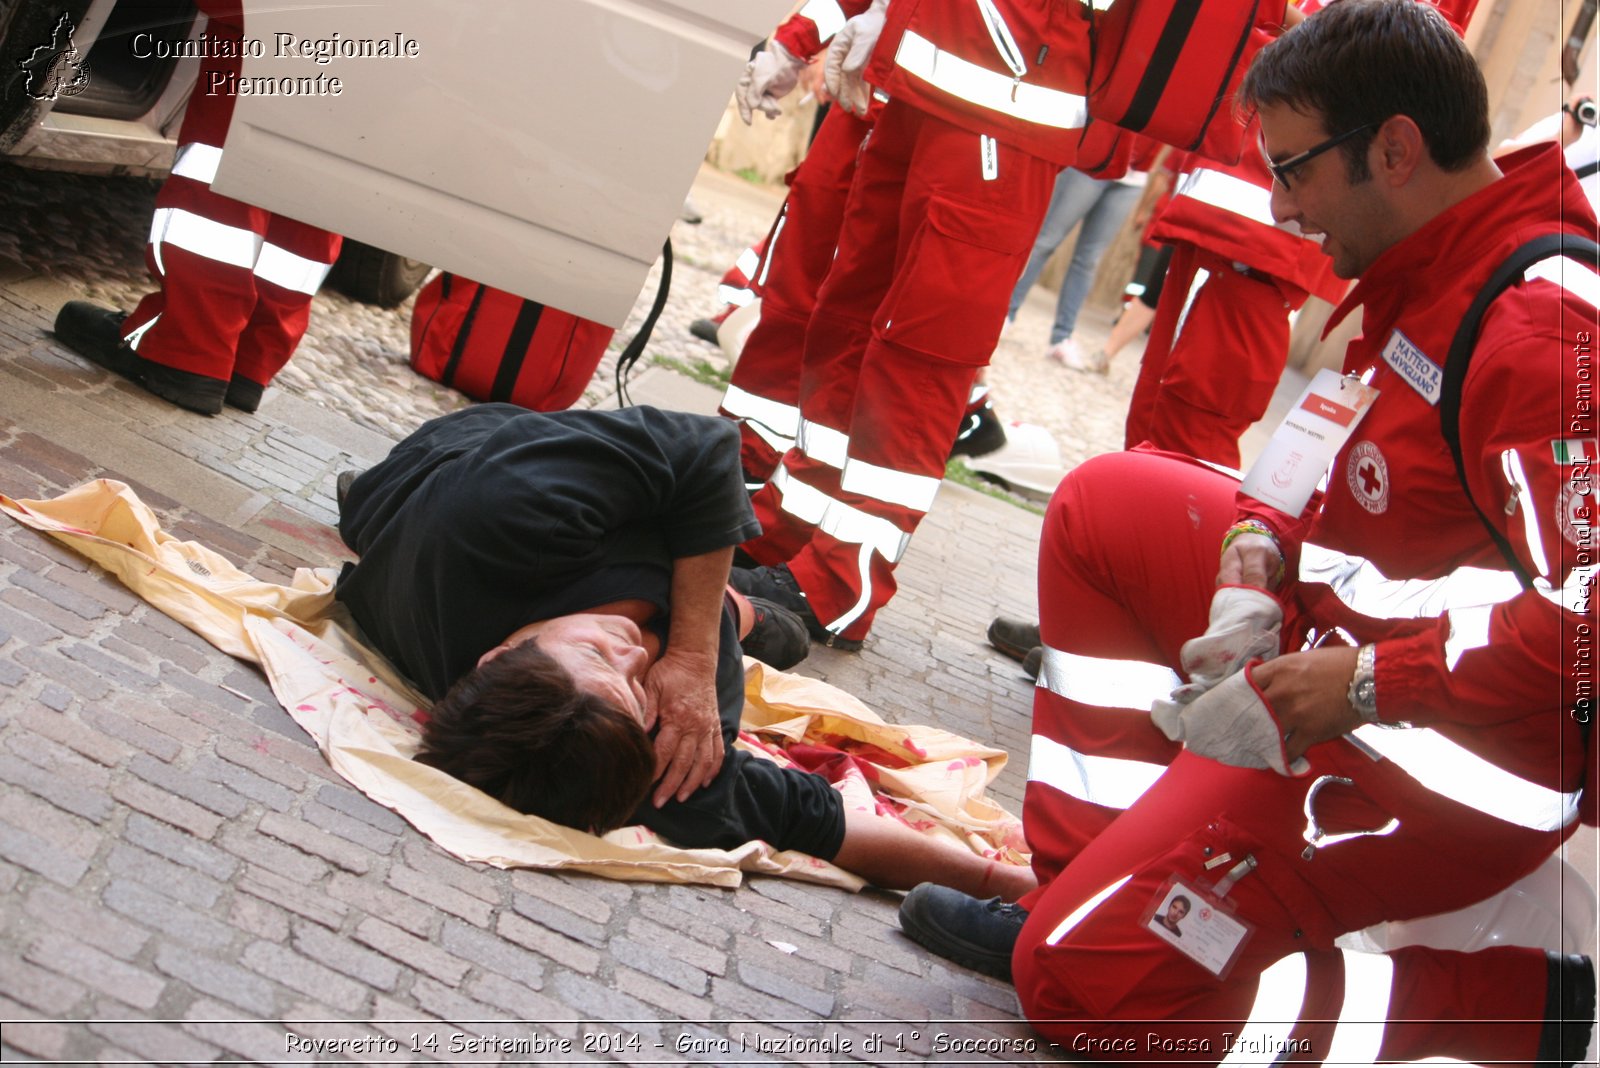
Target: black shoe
[(981, 433), (1569, 1009), (778, 638), (1033, 661), (974, 934), (341, 487), (704, 329), (1014, 637), (96, 333), (243, 394), (777, 584)]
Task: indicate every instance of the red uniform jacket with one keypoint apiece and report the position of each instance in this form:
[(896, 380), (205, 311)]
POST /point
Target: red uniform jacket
[(1499, 671), (1015, 70)]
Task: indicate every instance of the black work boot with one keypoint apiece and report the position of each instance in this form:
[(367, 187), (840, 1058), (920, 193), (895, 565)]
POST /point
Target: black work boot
[(776, 583), (243, 394), (1014, 637), (96, 333), (1568, 1009), (981, 433), (777, 638), (974, 934)]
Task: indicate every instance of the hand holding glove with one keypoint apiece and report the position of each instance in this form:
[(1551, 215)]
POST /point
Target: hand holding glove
[(770, 76), (1231, 723), (1244, 626), (848, 55)]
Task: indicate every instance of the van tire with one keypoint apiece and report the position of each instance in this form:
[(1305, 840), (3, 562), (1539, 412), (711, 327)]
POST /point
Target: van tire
[(374, 276)]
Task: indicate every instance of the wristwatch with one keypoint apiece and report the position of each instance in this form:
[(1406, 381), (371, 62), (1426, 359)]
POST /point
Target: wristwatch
[(1363, 693)]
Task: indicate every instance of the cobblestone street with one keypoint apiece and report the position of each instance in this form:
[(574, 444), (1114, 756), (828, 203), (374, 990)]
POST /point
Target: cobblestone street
[(186, 881)]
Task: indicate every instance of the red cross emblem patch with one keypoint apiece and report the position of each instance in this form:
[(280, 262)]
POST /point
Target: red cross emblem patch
[(1367, 474)]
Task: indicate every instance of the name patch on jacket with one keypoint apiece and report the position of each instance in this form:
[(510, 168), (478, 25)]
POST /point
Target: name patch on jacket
[(1413, 365)]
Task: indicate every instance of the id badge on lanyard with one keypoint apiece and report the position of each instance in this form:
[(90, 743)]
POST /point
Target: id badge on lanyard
[(1195, 918), (1305, 443)]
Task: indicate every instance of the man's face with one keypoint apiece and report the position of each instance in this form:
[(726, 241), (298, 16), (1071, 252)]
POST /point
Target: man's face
[(604, 654), (1320, 198)]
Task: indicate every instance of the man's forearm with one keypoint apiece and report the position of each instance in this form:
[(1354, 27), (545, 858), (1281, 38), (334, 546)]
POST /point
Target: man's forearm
[(697, 585)]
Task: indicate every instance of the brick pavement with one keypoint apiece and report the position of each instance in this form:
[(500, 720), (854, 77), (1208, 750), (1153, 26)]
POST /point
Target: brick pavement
[(184, 880)]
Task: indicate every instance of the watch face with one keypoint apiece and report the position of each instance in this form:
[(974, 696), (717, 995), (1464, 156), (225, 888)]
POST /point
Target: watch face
[(1367, 691)]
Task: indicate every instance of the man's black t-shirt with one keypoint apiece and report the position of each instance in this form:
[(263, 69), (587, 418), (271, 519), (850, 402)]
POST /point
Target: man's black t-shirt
[(494, 517)]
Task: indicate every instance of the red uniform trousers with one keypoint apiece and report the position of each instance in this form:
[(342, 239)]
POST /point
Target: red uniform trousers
[(910, 311), (764, 389), (1127, 560), (236, 281), (1209, 372), (743, 282)]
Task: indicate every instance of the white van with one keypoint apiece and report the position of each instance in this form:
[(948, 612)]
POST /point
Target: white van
[(540, 146)]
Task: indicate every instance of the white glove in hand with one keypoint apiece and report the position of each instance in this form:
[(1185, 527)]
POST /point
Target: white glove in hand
[(1244, 626), (847, 58), (770, 76), (1230, 723)]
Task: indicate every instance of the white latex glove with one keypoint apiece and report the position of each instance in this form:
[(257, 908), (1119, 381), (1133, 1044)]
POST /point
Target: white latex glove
[(1244, 626), (1230, 723), (847, 58), (769, 77)]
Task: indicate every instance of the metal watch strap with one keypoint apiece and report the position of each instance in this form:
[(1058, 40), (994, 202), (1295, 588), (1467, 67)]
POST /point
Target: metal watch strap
[(1363, 692)]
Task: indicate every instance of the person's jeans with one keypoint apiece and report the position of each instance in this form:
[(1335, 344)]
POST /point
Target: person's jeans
[(1101, 206)]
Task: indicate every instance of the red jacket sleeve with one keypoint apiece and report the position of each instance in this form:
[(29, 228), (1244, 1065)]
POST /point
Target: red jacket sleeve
[(806, 31), (1529, 451)]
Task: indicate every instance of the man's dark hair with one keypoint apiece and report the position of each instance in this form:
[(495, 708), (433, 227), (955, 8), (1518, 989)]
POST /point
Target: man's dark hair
[(520, 730), (1361, 61)]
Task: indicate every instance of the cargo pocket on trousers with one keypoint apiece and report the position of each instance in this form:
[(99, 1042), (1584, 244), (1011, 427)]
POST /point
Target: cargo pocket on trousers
[(950, 295)]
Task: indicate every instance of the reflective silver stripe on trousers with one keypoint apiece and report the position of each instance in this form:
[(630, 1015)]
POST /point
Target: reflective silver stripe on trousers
[(823, 444), (1368, 985), (1108, 781), (198, 162), (284, 268), (1228, 193), (811, 505), (213, 240), (778, 417), (853, 613), (748, 262), (827, 14), (1280, 996), (1104, 683), (1076, 916), (133, 339), (888, 485), (1365, 589), (986, 88), (1462, 776)]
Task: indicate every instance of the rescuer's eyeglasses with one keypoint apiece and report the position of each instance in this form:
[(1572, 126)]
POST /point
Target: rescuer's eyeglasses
[(1284, 168)]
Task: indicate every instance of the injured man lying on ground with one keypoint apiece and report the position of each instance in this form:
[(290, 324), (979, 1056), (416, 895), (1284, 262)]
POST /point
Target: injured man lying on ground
[(556, 583)]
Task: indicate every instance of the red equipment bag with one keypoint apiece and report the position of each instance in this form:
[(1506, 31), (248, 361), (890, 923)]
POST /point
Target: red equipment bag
[(1168, 69), (495, 346)]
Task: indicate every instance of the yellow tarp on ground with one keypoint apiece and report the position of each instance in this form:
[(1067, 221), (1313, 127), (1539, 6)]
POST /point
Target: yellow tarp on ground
[(364, 716)]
